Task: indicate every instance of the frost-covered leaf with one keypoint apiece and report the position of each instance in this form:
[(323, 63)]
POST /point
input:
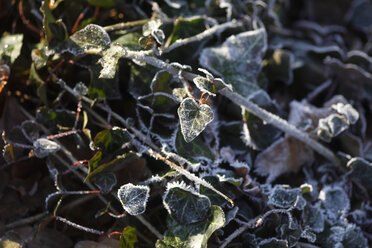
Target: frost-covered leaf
[(361, 171), (10, 47), (238, 60), (285, 155), (313, 217), (348, 111), (109, 61), (331, 126), (185, 205), (342, 235), (193, 118), (282, 197), (353, 237), (128, 237), (196, 235), (43, 147), (105, 182), (81, 89), (273, 243), (290, 235), (205, 85), (309, 235), (152, 28), (160, 83), (134, 198), (91, 37), (215, 198), (335, 201), (111, 139)]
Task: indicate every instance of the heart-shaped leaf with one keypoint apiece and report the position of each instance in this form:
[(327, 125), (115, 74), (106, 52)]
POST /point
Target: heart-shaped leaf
[(134, 198), (193, 118), (185, 205)]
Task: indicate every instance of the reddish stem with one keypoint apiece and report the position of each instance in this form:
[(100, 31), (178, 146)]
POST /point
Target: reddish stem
[(25, 21), (113, 233), (78, 20), (80, 162)]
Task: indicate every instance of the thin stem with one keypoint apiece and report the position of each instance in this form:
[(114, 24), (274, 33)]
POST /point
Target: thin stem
[(208, 32), (26, 221), (124, 25)]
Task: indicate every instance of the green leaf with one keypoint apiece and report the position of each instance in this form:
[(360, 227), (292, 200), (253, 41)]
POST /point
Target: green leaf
[(193, 150), (184, 28), (193, 118), (196, 235), (129, 41), (105, 182), (184, 205), (215, 198), (205, 85), (92, 37), (361, 171), (96, 168), (238, 60), (134, 198), (55, 30), (10, 47), (160, 83), (111, 139), (41, 87), (128, 237)]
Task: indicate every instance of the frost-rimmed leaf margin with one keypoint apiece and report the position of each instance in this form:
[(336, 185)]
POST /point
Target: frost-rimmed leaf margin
[(193, 118), (134, 198), (180, 197)]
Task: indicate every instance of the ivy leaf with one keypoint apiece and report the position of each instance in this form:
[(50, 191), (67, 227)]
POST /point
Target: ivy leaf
[(10, 47), (153, 28), (184, 205), (192, 235), (134, 198), (348, 111), (111, 139), (43, 147), (109, 61), (128, 237), (95, 168), (105, 182), (55, 30), (313, 217), (361, 171), (335, 201), (238, 60), (205, 85), (331, 126), (285, 197), (91, 37), (193, 118)]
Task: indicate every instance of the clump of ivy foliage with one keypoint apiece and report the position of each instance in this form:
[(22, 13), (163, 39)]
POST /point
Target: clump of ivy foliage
[(165, 86)]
